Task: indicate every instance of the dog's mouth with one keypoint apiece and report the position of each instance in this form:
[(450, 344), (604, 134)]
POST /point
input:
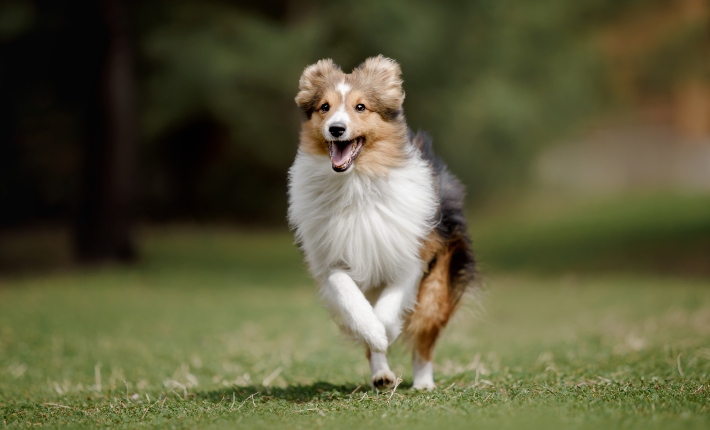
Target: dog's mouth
[(344, 152)]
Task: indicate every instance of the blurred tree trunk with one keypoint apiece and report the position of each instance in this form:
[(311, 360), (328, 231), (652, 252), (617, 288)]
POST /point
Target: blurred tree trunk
[(103, 230)]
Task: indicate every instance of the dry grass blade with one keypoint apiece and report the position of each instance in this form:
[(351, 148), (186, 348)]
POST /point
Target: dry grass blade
[(273, 375), (396, 384)]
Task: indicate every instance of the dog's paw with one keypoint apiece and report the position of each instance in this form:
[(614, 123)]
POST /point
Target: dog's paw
[(424, 385), (383, 380)]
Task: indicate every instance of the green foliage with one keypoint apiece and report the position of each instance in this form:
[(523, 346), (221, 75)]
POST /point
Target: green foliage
[(15, 17), (491, 81), (238, 67)]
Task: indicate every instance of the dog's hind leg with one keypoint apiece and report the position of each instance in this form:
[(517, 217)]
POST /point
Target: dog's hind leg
[(432, 312)]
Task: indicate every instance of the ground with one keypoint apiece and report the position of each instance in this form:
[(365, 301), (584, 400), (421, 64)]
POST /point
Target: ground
[(220, 327)]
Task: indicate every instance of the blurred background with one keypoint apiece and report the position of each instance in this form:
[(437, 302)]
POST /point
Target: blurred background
[(134, 130)]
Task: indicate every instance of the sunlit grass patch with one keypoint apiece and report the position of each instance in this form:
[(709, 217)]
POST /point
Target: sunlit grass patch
[(146, 347)]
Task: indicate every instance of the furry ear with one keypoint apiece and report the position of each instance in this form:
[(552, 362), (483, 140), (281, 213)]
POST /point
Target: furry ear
[(384, 75), (312, 82)]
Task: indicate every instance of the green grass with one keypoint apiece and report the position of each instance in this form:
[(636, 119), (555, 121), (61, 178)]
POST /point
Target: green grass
[(661, 233), (221, 329)]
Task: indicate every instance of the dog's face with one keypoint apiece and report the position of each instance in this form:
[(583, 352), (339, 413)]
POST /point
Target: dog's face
[(354, 117)]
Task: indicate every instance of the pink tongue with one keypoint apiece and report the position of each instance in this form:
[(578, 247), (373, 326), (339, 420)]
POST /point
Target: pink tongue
[(340, 153)]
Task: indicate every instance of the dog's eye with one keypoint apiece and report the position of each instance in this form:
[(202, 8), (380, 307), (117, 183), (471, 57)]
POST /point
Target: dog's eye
[(360, 107), (325, 107)]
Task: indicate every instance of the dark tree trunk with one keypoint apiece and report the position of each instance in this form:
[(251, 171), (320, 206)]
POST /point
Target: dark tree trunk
[(104, 222)]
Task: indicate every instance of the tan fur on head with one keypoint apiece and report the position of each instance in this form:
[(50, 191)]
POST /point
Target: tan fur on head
[(381, 79), (313, 82), (376, 83)]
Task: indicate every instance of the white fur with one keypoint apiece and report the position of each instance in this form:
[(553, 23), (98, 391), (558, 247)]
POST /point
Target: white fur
[(341, 115), (378, 362), (344, 89), (371, 227), (423, 373), (361, 231), (395, 299), (345, 300), (379, 368)]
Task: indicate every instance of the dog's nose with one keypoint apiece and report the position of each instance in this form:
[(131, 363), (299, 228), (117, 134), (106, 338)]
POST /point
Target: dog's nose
[(337, 129)]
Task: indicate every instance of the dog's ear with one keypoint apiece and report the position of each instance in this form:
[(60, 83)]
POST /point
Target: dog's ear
[(312, 83), (384, 76)]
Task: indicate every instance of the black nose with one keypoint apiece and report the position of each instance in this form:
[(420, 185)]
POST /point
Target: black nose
[(337, 129)]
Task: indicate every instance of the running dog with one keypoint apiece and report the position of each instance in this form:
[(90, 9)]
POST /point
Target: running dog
[(378, 216)]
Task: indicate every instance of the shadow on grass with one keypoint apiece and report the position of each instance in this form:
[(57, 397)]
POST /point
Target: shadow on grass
[(293, 393)]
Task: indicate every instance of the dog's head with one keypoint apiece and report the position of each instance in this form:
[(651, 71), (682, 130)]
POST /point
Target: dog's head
[(356, 116)]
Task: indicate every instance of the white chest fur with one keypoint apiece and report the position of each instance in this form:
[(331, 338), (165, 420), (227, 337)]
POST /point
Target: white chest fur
[(369, 226)]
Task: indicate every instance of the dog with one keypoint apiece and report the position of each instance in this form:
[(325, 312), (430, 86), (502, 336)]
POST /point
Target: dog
[(377, 215)]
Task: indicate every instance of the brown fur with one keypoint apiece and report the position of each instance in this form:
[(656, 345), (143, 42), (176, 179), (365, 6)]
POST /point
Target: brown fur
[(439, 294), (431, 246), (434, 307), (377, 84)]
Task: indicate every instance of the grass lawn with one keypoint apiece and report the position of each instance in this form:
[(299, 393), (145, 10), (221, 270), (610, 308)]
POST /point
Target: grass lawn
[(221, 328)]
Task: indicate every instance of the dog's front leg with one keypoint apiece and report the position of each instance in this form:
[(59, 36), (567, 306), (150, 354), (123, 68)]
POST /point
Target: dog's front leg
[(349, 304), (390, 307), (395, 300)]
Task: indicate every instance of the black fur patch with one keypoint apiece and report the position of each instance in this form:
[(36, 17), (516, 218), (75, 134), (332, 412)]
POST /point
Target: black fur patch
[(452, 226), (391, 114)]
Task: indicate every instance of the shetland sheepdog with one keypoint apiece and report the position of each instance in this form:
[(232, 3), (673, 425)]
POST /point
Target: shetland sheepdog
[(378, 216)]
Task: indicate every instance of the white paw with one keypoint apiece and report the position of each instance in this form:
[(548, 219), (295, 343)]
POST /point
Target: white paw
[(383, 380), (424, 385)]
